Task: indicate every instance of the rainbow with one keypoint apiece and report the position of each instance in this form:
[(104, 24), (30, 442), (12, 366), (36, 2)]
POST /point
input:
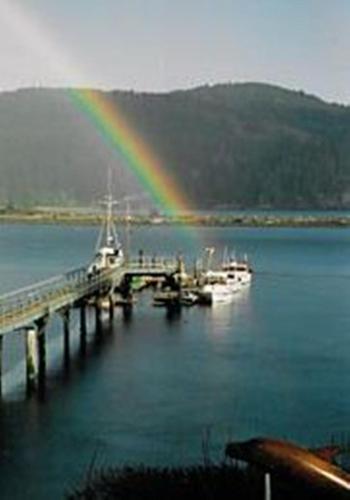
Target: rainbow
[(105, 114), (145, 165)]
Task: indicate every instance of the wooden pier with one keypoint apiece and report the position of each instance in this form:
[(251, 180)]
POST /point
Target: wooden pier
[(29, 310)]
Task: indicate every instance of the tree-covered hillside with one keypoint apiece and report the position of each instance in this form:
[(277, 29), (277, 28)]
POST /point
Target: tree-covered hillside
[(241, 145)]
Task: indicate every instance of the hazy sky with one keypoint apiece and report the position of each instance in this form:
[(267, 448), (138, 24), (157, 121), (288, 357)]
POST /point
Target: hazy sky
[(167, 44)]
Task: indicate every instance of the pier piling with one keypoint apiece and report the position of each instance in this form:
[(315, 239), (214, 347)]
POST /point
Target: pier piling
[(98, 316), (83, 329), (66, 334), (1, 346), (41, 327), (31, 359), (36, 357)]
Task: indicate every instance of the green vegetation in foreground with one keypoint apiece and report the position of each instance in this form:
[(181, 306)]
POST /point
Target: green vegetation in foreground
[(251, 220), (210, 482)]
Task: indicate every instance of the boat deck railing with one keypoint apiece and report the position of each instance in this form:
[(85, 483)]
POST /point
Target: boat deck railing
[(159, 263)]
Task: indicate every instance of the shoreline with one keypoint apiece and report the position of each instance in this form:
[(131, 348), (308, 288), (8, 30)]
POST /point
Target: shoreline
[(215, 220)]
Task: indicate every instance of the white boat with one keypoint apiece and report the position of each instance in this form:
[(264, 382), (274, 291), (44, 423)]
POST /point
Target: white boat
[(221, 285), (229, 278), (109, 252), (107, 257), (217, 288), (214, 293), (188, 298), (238, 268)]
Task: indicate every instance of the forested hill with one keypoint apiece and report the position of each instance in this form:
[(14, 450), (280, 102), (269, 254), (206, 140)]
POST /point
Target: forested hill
[(239, 145)]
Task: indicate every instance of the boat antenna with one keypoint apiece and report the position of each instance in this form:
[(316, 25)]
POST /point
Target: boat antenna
[(224, 256), (127, 199), (233, 255), (99, 239), (108, 228), (209, 253), (127, 225)]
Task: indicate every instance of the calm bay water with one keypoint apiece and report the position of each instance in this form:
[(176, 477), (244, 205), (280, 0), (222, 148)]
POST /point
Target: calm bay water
[(275, 361)]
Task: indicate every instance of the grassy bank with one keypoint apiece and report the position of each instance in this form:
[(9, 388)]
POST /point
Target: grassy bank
[(257, 220), (212, 482)]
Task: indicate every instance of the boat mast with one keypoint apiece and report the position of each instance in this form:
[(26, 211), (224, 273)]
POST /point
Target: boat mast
[(110, 231), (109, 204), (127, 226), (209, 254), (108, 228), (128, 218)]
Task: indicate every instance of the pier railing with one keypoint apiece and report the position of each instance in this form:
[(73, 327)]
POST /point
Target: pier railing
[(30, 308), (32, 302), (159, 263), (22, 307)]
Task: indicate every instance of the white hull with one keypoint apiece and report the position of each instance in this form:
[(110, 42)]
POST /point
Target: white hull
[(240, 270), (217, 293), (234, 284), (244, 278), (220, 286)]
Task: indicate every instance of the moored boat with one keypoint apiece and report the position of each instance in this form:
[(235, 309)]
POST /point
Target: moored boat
[(109, 252), (188, 298), (239, 268), (216, 288), (215, 293)]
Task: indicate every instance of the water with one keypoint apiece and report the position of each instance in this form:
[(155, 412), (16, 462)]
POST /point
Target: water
[(275, 362)]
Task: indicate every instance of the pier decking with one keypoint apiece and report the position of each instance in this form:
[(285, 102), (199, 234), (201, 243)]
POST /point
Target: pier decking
[(30, 308)]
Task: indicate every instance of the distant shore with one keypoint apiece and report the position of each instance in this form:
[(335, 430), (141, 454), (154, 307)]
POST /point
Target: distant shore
[(226, 220)]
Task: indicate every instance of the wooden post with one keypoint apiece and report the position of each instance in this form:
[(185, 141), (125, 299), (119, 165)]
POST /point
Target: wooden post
[(1, 346), (41, 324), (66, 334), (31, 359), (127, 312), (267, 486), (83, 329), (98, 316)]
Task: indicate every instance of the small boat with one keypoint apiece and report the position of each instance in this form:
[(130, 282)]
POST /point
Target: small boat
[(166, 298), (188, 298)]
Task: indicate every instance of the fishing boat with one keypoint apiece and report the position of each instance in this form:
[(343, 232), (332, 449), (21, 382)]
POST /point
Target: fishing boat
[(220, 285), (240, 269), (223, 276), (175, 298), (166, 298), (188, 298), (109, 253), (216, 288), (214, 293)]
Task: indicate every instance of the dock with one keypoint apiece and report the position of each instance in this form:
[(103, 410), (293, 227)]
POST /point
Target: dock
[(107, 281), (30, 309)]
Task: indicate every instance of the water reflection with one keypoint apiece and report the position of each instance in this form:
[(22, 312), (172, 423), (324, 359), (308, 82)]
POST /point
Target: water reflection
[(224, 316), (173, 314)]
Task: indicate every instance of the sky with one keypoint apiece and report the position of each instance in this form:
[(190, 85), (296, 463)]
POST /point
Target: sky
[(161, 45)]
